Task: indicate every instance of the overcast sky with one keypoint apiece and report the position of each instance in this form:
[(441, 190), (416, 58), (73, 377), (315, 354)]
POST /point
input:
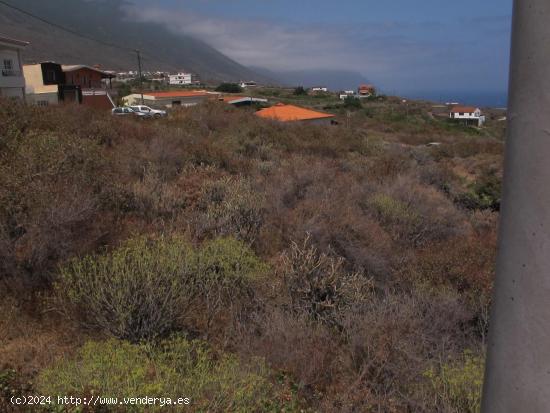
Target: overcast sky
[(401, 45)]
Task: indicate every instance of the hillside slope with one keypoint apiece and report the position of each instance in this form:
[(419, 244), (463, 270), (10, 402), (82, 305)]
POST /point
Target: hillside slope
[(107, 21)]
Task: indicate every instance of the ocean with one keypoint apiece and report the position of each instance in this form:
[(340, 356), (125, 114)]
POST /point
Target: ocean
[(481, 99)]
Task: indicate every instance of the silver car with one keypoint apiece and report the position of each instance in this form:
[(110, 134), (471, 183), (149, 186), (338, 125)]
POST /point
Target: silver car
[(152, 113), (126, 111)]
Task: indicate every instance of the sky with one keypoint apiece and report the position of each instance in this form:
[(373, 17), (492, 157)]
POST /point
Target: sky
[(405, 47)]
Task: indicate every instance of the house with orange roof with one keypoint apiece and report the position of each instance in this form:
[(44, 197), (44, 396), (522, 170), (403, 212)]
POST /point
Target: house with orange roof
[(170, 99), (467, 114), (290, 113), (366, 90)]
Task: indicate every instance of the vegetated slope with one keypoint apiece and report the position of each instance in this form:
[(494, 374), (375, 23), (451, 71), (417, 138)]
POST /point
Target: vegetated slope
[(353, 260), (334, 79), (106, 21)]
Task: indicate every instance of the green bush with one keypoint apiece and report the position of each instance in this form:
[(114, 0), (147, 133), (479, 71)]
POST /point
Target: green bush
[(138, 291), (174, 368), (229, 88), (225, 271), (457, 384), (484, 193), (352, 102), (392, 211), (300, 91), (146, 287)]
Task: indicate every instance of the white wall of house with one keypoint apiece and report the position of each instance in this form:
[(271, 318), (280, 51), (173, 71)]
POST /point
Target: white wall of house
[(12, 81), (181, 79), (466, 115), (251, 83), (163, 103), (473, 116)]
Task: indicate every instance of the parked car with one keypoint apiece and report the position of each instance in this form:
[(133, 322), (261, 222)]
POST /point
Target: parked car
[(153, 113), (127, 111)]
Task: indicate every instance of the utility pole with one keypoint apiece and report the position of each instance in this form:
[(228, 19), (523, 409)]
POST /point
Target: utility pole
[(517, 376), (140, 76)]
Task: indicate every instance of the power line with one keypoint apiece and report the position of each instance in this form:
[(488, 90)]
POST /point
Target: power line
[(58, 26)]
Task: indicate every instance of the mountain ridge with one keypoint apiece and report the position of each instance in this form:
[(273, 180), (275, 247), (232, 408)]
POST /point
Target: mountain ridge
[(107, 22)]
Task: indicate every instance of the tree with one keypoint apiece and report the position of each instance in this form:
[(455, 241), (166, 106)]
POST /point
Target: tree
[(229, 88), (300, 91)]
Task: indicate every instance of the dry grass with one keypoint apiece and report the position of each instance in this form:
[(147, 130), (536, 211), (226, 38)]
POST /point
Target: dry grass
[(415, 224)]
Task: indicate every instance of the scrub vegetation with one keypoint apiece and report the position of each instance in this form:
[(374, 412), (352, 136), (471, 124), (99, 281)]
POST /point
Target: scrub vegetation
[(249, 265)]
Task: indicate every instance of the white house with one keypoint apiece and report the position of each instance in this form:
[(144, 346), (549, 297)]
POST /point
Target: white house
[(467, 114), (347, 93), (172, 99), (12, 81), (250, 83), (319, 89), (181, 79)]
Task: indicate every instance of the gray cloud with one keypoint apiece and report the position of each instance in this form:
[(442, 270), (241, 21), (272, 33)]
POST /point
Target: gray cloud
[(400, 55)]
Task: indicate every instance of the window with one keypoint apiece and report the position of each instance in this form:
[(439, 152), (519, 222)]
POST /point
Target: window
[(50, 76), (8, 64), (118, 110), (42, 103)]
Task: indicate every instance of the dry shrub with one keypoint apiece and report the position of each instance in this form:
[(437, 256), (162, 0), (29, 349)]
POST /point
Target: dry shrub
[(465, 263), (230, 207), (388, 340), (31, 336), (52, 192), (294, 345), (324, 199), (416, 214), (156, 198), (389, 164), (317, 283)]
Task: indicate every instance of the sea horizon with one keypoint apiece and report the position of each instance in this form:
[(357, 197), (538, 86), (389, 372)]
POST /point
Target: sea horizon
[(489, 99)]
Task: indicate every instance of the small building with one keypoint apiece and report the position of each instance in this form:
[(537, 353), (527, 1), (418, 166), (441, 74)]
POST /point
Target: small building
[(242, 100), (90, 80), (366, 90), (44, 85), (347, 93), (250, 83), (319, 89), (12, 81), (181, 79), (169, 99), (86, 77), (290, 113), (468, 115)]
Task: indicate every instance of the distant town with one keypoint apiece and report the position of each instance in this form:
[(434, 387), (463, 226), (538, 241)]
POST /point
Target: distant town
[(152, 92)]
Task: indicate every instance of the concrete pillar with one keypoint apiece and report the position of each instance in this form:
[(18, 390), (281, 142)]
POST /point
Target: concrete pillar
[(517, 377)]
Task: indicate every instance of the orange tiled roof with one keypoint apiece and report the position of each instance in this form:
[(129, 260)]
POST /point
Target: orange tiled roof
[(290, 113), (185, 93), (463, 109)]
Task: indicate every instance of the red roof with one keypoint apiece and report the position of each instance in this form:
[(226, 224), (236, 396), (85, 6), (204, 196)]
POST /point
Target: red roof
[(182, 94), (290, 113), (463, 109)]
